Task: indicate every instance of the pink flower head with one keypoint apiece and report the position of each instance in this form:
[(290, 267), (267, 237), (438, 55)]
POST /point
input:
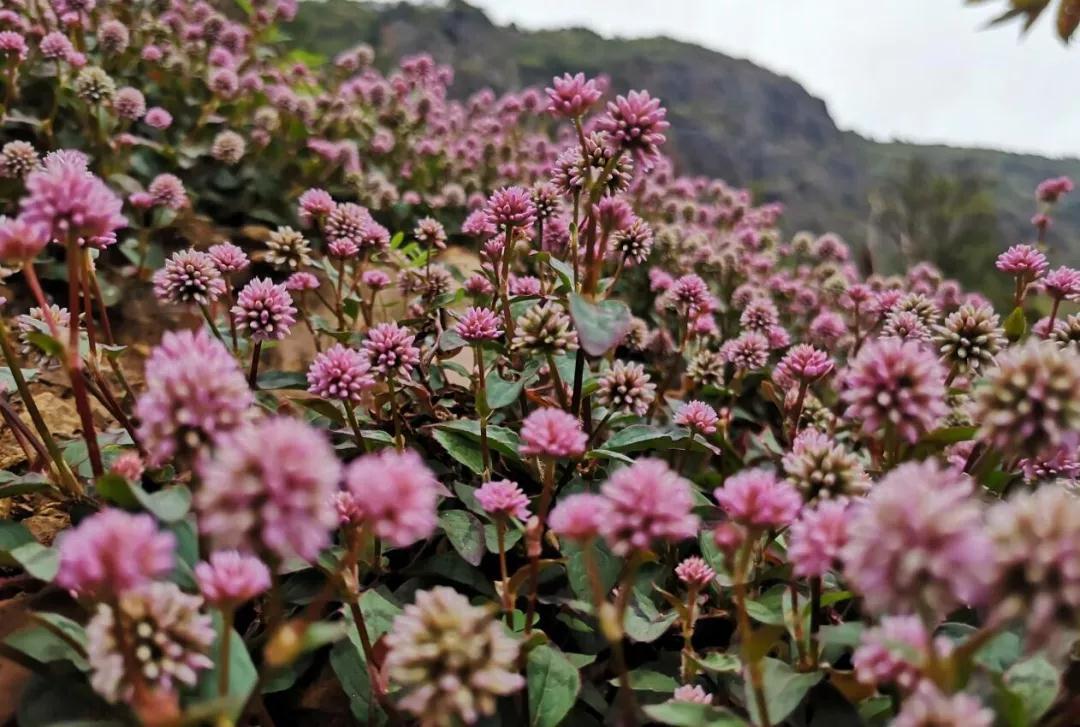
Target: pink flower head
[(698, 417), (524, 285), (691, 293), (128, 465), (129, 103), (194, 392), (692, 693), (479, 324), (647, 502), (56, 46), (300, 282), (158, 118), (1062, 283), (748, 352), (340, 373), (826, 329), (395, 494), (267, 489), (228, 257), (112, 552), (577, 517), (391, 350), (167, 191), (694, 571), (315, 204), (816, 538), (636, 123), (430, 233), (1053, 189), (757, 499), (552, 432), (510, 207), (897, 384), (69, 202), (12, 46), (478, 285), (803, 364), (375, 279), (1022, 260), (502, 498), (265, 309), (230, 577), (929, 706), (572, 96), (189, 276), (20, 242), (917, 542), (896, 652)]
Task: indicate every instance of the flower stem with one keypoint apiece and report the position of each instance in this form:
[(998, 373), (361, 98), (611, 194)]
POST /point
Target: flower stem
[(500, 535), (360, 441), (753, 663), (556, 381), (74, 360), (226, 638), (253, 373)]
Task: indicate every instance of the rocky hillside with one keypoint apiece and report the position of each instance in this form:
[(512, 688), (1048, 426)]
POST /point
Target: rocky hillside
[(730, 118)]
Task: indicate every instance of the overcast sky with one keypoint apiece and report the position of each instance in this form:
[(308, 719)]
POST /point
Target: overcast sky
[(920, 70)]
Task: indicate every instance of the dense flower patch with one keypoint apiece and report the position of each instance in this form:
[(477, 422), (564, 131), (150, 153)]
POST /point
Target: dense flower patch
[(571, 440)]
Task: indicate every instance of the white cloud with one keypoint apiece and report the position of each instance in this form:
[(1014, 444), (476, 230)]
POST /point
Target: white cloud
[(920, 70)]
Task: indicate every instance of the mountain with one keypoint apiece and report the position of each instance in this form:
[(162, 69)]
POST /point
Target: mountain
[(730, 118)]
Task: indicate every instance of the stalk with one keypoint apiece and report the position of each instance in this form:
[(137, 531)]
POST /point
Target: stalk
[(481, 395), (74, 361), (753, 664), (500, 534), (253, 373), (223, 654), (360, 441)]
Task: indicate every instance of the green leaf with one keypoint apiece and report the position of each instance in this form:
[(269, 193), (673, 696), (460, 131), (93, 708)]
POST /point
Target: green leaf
[(950, 435), (51, 638), (170, 504), (19, 548), (501, 439), (648, 680), (461, 448), (8, 381), (1034, 683), (242, 672), (764, 614), (644, 623), (347, 656), (600, 326), (784, 690), (491, 537), (465, 533), (1016, 324), (719, 663), (55, 701), (32, 482), (553, 684), (275, 380), (607, 564), (689, 714), (501, 392)]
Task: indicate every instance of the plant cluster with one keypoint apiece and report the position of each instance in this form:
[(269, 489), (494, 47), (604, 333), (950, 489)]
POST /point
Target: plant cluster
[(475, 412)]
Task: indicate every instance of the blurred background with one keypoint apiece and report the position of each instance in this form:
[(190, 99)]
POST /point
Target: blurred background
[(915, 129)]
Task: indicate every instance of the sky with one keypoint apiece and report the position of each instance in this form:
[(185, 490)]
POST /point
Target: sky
[(925, 71)]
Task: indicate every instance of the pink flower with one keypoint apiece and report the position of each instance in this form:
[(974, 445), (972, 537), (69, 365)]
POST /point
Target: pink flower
[(816, 538), (757, 499), (375, 279), (340, 373), (20, 242), (647, 502), (228, 257), (826, 329), (158, 118), (230, 577), (748, 352), (430, 233), (129, 103), (803, 364), (694, 571), (577, 517), (194, 392), (692, 693), (510, 207), (479, 324), (391, 351), (917, 542), (502, 498), (300, 282), (636, 123), (395, 494), (112, 552), (315, 204), (524, 285), (896, 384), (189, 276), (265, 309), (267, 489), (71, 203), (928, 706), (347, 229), (129, 465), (571, 96), (1051, 190), (552, 432), (697, 416), (1062, 283), (12, 46), (167, 191), (478, 285), (1022, 260), (690, 293), (896, 652)]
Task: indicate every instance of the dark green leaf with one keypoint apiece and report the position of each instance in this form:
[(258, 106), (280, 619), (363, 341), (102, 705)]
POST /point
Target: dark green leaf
[(1035, 683), (784, 690), (689, 714), (600, 326), (19, 548), (720, 663), (648, 680), (553, 684), (170, 504), (242, 672), (465, 533), (461, 448)]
